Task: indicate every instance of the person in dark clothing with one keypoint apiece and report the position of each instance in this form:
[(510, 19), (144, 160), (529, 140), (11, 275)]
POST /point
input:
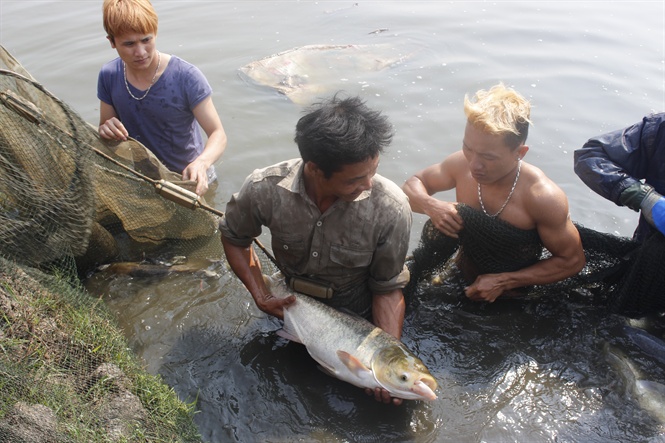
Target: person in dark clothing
[(627, 167)]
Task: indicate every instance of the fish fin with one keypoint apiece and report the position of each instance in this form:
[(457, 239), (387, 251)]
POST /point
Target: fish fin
[(354, 365), (285, 334), (328, 370)]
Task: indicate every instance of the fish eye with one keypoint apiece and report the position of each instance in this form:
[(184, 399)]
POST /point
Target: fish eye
[(404, 377)]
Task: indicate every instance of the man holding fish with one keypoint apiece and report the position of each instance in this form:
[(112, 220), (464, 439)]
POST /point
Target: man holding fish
[(340, 231)]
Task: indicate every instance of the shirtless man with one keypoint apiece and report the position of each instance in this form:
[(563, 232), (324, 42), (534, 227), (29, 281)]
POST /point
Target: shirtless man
[(489, 174)]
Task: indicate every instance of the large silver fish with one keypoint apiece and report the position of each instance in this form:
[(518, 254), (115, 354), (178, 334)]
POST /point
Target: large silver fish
[(649, 394), (351, 348), (308, 72)]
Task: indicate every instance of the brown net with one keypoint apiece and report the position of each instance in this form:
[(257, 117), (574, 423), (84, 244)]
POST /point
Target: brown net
[(65, 192), (68, 203)]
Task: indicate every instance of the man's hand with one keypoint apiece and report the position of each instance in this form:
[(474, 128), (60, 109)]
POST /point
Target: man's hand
[(445, 218), (658, 215), (487, 287), (383, 396), (113, 129), (198, 172), (274, 306), (653, 209)]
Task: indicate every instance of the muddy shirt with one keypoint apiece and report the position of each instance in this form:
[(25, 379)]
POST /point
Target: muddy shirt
[(358, 247)]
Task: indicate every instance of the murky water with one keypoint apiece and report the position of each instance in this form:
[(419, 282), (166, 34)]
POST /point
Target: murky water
[(546, 370)]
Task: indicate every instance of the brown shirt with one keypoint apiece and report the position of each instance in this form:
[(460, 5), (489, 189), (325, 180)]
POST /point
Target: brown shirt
[(351, 245)]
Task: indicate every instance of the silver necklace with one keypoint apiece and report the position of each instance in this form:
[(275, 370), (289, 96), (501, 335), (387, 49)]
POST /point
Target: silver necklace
[(480, 198), (152, 82)]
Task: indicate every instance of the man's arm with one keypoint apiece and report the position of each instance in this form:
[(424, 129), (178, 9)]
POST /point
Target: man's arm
[(549, 209), (436, 178), (612, 162), (246, 265), (206, 115), (388, 312)]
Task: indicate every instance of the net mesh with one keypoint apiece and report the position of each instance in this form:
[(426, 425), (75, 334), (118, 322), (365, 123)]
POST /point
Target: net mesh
[(50, 206), (69, 202), (627, 273)]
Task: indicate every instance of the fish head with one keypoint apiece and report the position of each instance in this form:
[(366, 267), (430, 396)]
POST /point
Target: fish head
[(403, 374)]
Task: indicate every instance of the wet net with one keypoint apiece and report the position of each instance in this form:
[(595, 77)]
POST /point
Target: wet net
[(64, 192), (70, 202), (625, 272)]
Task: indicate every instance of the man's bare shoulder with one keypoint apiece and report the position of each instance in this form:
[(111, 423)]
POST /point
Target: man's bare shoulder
[(451, 166), (443, 175), (543, 197), (455, 159)]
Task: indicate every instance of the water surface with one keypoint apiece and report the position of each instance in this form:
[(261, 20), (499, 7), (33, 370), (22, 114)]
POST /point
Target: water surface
[(516, 371)]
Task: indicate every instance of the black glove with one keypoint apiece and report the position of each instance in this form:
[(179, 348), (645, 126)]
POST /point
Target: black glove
[(645, 198)]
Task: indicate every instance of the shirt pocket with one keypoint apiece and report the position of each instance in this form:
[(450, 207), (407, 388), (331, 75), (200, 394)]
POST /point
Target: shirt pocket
[(349, 257), (291, 247)]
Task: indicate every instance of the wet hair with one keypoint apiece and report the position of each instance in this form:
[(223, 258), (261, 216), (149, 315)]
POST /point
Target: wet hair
[(126, 16), (500, 111), (339, 132)]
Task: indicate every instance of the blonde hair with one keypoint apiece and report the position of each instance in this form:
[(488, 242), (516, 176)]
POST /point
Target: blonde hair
[(126, 16), (500, 111)]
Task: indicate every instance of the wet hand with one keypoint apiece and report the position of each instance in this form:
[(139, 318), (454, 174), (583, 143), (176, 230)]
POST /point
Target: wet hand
[(197, 171), (487, 287), (383, 396), (113, 129), (446, 219), (274, 306)]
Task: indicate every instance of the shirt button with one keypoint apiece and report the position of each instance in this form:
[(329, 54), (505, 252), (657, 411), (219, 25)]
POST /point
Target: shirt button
[(315, 254), (319, 223), (286, 247)]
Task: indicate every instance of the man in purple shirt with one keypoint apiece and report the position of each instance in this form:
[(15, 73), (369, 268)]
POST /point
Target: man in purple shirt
[(158, 99)]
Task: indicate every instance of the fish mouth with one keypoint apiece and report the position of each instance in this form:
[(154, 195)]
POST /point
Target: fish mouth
[(425, 389)]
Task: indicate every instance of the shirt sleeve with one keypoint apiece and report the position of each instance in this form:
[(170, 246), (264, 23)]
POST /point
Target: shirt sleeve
[(612, 162), (197, 86), (387, 270), (104, 80), (241, 222)]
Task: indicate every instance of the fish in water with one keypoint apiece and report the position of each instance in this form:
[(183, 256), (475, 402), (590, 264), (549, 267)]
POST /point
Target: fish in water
[(649, 394), (653, 346), (178, 265), (307, 72), (351, 348)]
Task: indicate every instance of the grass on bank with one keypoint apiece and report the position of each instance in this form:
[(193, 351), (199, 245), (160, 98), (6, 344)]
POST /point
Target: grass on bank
[(54, 337)]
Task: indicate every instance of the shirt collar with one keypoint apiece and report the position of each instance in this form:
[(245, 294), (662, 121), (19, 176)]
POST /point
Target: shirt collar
[(295, 182)]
